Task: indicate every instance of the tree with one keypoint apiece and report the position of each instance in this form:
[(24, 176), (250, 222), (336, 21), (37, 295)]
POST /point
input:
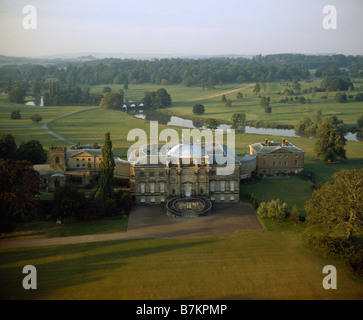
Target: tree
[(257, 88), (336, 83), (339, 203), (268, 109), (32, 151), (224, 99), (126, 85), (162, 98), (107, 165), (112, 100), (330, 140), (360, 121), (264, 102), (340, 97), (211, 124), (198, 109), (8, 146), (19, 183), (238, 118), (36, 87), (15, 115), (239, 96), (294, 214), (157, 99), (229, 103), (68, 202), (36, 118), (359, 96), (16, 94)]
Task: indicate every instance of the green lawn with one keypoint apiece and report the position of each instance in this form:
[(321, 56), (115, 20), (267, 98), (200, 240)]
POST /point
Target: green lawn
[(293, 191), (245, 265), (48, 229)]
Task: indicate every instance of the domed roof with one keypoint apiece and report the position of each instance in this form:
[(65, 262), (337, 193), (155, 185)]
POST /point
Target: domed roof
[(186, 149)]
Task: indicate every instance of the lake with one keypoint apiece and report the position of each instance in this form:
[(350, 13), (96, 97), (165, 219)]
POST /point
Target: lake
[(187, 123)]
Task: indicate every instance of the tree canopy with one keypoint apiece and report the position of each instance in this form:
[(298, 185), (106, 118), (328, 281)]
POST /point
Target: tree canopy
[(339, 203), (330, 140), (19, 183), (198, 109), (106, 183)]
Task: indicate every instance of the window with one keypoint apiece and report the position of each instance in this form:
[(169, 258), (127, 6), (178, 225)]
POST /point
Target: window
[(162, 199), (274, 155), (56, 159), (231, 186), (212, 198), (152, 187), (77, 165), (285, 163), (152, 200), (222, 198), (274, 163), (162, 187), (142, 200), (89, 159), (212, 186), (231, 199), (264, 162), (296, 163), (142, 188), (161, 174), (222, 186), (280, 163)]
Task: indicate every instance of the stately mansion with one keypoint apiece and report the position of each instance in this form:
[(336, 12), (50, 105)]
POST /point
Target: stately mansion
[(188, 170), (186, 176)]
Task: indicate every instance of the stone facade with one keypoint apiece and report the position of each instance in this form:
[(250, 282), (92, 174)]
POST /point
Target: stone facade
[(276, 158), (156, 183)]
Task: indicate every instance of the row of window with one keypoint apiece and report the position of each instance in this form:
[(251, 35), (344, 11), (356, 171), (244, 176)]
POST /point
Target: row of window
[(83, 159), (280, 155), (286, 163), (212, 186), (221, 185), (162, 200)]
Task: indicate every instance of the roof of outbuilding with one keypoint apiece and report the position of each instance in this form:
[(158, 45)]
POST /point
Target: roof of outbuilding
[(272, 147)]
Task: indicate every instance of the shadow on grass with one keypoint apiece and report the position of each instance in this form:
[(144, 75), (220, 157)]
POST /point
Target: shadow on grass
[(68, 267)]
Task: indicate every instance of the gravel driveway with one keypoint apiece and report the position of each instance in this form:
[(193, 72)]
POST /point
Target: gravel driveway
[(151, 222)]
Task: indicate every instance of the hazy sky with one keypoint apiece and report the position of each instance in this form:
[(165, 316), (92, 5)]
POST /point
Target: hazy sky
[(180, 27)]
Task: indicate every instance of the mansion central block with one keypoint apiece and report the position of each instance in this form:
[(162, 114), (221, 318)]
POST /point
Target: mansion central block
[(188, 170)]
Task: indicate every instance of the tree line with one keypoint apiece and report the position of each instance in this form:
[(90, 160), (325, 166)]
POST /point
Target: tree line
[(205, 73)]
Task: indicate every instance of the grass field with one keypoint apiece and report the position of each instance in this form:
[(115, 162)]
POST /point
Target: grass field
[(283, 113), (241, 266)]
